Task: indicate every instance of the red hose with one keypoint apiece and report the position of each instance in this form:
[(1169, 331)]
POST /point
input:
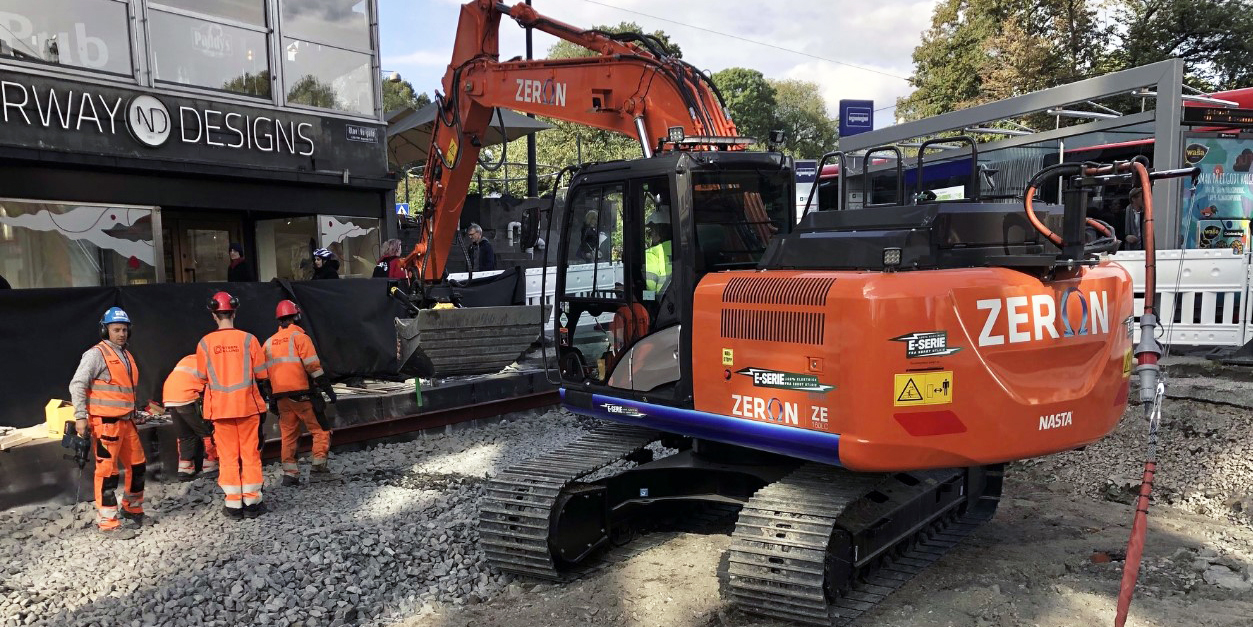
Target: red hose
[(1140, 523)]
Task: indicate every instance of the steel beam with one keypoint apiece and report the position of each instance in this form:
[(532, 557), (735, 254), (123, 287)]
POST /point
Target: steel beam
[(1168, 155)]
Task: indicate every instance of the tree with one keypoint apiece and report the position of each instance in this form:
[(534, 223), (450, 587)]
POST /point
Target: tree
[(947, 62), (750, 99), (308, 90), (1213, 37), (567, 50), (400, 94), (802, 115)]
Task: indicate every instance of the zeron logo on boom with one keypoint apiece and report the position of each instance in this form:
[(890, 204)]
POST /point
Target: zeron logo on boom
[(547, 92)]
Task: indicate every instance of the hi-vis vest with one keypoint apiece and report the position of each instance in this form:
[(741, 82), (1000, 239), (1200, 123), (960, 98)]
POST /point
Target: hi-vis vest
[(657, 266), (231, 361), (291, 360), (113, 397), (184, 384)]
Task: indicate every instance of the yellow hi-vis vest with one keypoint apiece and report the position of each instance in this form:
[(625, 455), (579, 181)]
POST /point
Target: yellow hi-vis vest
[(657, 266)]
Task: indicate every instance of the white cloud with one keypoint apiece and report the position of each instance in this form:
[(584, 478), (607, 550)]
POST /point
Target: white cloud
[(879, 35)]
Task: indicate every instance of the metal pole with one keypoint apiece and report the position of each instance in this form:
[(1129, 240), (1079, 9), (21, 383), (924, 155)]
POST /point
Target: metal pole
[(532, 179)]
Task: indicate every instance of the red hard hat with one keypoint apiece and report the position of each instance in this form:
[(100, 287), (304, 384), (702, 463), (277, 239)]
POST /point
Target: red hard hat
[(222, 301), (286, 308)]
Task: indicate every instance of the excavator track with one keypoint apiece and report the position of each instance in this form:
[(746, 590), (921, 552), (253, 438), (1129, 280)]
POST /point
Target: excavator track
[(516, 513), (795, 549)]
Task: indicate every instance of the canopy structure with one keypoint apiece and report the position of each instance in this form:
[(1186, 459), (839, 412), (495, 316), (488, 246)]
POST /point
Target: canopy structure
[(409, 132)]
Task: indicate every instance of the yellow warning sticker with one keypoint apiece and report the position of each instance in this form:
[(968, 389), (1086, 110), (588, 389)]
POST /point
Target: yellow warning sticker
[(728, 357), (923, 388), (1126, 363), (451, 154)]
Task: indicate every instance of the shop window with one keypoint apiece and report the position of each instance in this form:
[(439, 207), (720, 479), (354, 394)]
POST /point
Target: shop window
[(340, 23), (87, 34), (202, 53), (354, 241), (326, 77), (285, 248), (243, 11), (75, 245)]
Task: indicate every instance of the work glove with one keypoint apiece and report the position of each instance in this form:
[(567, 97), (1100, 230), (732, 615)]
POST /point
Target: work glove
[(325, 385), (267, 392), (274, 406)]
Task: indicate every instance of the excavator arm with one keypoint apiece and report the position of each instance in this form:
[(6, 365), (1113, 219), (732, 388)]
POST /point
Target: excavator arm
[(632, 87)]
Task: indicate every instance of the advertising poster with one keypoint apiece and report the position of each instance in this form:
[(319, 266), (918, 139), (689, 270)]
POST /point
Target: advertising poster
[(1216, 213)]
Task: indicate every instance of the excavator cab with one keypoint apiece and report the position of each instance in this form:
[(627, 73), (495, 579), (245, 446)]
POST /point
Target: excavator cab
[(636, 238)]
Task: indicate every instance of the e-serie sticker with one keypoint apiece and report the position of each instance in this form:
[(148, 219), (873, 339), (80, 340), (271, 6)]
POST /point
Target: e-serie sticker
[(621, 410), (763, 378), (929, 344)]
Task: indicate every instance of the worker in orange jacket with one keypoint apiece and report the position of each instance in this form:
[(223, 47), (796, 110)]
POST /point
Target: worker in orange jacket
[(293, 368), (104, 398), (195, 435), (231, 363)]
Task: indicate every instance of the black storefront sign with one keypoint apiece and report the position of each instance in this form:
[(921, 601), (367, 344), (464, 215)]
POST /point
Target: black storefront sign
[(54, 114)]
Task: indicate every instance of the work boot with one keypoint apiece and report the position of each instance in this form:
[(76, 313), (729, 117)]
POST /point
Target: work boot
[(233, 513), (254, 510), (185, 477), (137, 519), (116, 533), (291, 480), (320, 468)]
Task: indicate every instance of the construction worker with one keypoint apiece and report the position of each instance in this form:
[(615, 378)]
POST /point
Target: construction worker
[(231, 363), (195, 435), (103, 393), (657, 255), (294, 368)]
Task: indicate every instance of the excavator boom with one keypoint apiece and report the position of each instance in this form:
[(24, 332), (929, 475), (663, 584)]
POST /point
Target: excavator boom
[(632, 87)]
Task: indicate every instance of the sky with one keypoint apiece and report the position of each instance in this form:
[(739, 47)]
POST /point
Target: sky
[(851, 50)]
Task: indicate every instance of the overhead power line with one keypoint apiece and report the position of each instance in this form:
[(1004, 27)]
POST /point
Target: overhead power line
[(751, 41)]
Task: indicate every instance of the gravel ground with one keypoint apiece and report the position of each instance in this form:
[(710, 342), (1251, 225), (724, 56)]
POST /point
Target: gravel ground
[(391, 539)]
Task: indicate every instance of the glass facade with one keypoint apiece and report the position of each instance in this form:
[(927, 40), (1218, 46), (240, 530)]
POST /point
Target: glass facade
[(191, 51), (354, 241), (44, 244), (285, 246), (303, 53), (86, 34), (326, 77)]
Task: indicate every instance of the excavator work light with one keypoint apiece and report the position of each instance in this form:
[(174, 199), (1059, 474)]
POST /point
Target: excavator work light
[(891, 257), (675, 134)]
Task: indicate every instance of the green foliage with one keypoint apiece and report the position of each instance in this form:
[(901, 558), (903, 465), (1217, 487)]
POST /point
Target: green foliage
[(568, 50), (978, 51), (308, 90), (1213, 37), (398, 95), (750, 99), (801, 113)]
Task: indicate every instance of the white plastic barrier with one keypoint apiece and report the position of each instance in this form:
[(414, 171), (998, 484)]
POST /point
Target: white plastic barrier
[(1204, 295), (580, 279)]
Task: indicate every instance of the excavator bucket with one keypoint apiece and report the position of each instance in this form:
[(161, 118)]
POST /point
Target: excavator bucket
[(467, 340)]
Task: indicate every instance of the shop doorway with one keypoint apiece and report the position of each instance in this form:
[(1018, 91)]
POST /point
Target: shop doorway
[(197, 246)]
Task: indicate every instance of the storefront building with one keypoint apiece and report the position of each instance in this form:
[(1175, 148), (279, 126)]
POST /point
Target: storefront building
[(138, 138)]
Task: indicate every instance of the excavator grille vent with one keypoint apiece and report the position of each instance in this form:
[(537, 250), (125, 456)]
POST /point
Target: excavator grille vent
[(773, 326), (778, 291)]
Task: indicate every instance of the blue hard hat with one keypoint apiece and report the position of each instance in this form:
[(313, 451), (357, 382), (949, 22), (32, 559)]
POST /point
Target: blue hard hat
[(115, 314)]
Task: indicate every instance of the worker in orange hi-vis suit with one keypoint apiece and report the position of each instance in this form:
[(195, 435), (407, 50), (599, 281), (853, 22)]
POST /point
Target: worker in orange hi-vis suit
[(294, 367), (232, 364), (180, 393), (104, 394)]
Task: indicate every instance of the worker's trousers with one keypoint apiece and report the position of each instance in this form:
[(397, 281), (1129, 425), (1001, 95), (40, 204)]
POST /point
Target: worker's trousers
[(291, 414), (195, 438), (239, 459), (117, 449)]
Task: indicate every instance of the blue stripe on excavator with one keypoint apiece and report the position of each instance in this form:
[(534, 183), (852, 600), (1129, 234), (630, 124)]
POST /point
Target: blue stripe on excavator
[(814, 446)]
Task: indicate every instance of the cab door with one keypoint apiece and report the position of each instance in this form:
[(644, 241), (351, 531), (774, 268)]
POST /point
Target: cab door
[(617, 272)]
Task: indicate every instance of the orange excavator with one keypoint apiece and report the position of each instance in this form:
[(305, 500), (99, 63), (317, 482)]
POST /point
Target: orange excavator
[(803, 371)]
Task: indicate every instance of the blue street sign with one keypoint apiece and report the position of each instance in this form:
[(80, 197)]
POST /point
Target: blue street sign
[(402, 208), (806, 172), (856, 116)]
